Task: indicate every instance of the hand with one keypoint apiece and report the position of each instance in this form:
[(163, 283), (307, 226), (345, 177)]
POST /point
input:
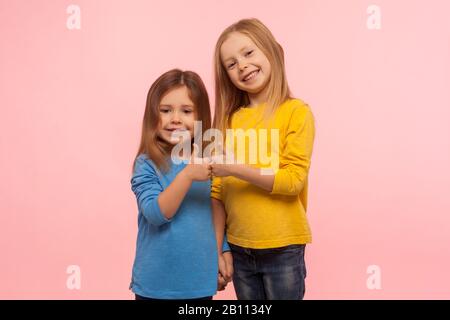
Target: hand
[(221, 170), (223, 164), (226, 266), (198, 172), (228, 257), (198, 169), (221, 283)]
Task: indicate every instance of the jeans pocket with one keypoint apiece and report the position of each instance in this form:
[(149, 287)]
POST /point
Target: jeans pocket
[(300, 248)]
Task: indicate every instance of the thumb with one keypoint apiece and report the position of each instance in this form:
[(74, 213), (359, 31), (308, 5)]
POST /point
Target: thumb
[(207, 160), (227, 275), (194, 155)]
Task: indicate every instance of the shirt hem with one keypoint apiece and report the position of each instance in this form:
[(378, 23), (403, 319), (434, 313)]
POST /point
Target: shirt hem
[(269, 244), (173, 294)]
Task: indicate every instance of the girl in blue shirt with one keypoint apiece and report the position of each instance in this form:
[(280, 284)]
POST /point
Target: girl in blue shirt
[(176, 249)]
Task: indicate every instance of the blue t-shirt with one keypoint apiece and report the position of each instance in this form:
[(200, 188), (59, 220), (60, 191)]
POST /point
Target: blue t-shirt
[(176, 258)]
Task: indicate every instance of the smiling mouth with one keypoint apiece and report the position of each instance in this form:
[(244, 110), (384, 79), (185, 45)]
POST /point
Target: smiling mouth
[(173, 130), (250, 76)]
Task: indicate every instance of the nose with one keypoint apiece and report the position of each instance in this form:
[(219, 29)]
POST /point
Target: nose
[(242, 65), (175, 117)]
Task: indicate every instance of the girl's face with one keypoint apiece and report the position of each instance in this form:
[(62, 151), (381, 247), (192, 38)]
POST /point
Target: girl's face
[(177, 113), (246, 65)]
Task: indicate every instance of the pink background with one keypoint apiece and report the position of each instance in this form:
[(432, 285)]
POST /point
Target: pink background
[(71, 106)]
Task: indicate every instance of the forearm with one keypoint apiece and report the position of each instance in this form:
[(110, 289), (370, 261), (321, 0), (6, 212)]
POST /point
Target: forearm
[(253, 176), (170, 199), (219, 218)]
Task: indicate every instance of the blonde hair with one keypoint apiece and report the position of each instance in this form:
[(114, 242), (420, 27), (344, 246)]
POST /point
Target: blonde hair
[(151, 144), (229, 98)]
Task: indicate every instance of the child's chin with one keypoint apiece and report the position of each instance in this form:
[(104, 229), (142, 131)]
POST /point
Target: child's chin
[(171, 142), (175, 142)]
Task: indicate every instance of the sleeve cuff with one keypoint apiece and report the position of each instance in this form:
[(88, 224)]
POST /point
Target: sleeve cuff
[(216, 196), (277, 183), (225, 246)]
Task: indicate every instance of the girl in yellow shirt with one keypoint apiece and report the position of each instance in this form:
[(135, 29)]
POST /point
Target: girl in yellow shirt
[(261, 204)]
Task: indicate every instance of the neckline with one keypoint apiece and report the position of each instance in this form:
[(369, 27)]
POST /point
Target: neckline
[(252, 108)]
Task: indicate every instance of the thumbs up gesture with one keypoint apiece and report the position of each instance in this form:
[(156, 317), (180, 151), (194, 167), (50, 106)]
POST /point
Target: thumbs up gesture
[(198, 169)]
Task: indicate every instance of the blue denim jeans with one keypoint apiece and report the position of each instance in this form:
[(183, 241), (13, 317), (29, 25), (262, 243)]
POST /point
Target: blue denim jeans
[(269, 274)]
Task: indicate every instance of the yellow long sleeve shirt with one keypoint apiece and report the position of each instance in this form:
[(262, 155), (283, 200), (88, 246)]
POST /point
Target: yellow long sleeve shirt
[(257, 218)]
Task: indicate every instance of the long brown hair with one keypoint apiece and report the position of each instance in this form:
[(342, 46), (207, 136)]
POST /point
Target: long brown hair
[(151, 145), (228, 97)]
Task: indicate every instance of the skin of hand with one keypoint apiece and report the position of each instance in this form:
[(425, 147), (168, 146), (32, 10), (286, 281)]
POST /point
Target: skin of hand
[(228, 257), (226, 266), (221, 283)]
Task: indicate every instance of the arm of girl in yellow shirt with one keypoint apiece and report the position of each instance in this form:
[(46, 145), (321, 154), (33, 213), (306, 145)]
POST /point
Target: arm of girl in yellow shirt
[(295, 158), (244, 172)]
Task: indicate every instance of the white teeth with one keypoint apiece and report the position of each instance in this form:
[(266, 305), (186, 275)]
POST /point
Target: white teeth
[(251, 75), (176, 130)]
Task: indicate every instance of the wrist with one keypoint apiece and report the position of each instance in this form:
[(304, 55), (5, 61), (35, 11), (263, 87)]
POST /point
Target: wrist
[(235, 169), (185, 174)]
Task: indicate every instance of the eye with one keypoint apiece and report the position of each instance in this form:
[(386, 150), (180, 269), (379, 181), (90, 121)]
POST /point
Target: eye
[(187, 111), (248, 53), (231, 65), (164, 110)]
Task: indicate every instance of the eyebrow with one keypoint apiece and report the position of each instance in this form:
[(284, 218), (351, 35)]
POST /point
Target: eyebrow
[(183, 105), (243, 49)]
